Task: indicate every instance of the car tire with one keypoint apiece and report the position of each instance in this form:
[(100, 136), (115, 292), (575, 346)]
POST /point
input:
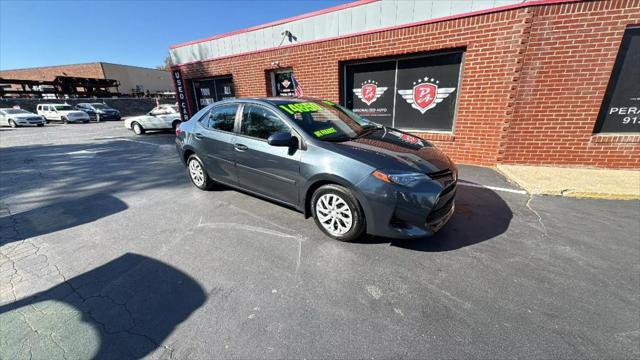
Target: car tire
[(175, 124), (137, 128), (40, 125), (12, 123), (198, 173), (64, 120), (337, 213)]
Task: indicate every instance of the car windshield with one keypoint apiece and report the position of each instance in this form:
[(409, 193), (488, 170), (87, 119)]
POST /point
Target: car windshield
[(15, 111), (100, 106), (63, 107), (326, 120)]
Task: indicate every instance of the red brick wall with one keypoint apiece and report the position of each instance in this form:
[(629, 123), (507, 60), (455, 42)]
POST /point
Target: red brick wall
[(92, 70), (496, 117), (568, 62)]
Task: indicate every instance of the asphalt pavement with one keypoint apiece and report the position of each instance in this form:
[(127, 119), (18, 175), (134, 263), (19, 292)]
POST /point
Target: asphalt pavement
[(108, 251)]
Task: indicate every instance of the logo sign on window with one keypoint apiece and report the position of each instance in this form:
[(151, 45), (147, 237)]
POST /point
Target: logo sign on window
[(620, 109), (181, 94)]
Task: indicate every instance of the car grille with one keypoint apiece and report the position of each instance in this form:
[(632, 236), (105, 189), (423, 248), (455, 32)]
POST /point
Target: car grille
[(445, 199), (440, 174)]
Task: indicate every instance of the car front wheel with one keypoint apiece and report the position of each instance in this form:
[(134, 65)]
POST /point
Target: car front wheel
[(138, 129), (337, 213), (198, 174), (13, 124)]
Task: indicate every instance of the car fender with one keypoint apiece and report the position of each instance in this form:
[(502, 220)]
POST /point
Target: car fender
[(331, 178)]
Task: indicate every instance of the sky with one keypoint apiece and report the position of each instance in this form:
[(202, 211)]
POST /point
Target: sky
[(44, 33)]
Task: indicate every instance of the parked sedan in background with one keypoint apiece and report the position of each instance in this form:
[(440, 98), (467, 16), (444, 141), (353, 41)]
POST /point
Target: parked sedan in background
[(61, 112), (350, 174), (99, 111), (18, 117), (162, 117)]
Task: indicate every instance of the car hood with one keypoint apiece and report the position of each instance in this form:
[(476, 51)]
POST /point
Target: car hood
[(25, 116), (139, 117), (391, 149), (72, 112)]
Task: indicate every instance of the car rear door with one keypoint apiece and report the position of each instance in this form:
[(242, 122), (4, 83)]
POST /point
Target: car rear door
[(273, 171), (214, 138)]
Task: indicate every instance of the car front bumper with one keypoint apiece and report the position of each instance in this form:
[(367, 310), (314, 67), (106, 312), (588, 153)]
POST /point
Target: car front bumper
[(407, 212), (106, 116), (29, 122)]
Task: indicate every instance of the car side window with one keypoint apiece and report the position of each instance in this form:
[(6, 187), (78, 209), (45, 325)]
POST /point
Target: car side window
[(222, 118), (260, 122)]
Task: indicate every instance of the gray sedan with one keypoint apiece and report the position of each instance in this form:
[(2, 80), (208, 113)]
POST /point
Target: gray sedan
[(350, 174)]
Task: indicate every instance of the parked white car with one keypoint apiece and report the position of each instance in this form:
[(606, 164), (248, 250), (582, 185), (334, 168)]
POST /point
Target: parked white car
[(162, 117), (18, 117), (61, 112)]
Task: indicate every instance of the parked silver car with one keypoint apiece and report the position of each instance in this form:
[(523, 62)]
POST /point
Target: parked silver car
[(18, 117)]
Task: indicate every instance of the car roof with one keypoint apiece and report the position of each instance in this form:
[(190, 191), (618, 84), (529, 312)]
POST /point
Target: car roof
[(272, 100)]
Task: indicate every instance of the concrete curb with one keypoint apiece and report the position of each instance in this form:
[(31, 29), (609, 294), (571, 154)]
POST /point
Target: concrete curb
[(575, 182)]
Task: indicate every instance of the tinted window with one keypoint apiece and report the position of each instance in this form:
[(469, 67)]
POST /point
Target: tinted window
[(222, 118), (260, 123)]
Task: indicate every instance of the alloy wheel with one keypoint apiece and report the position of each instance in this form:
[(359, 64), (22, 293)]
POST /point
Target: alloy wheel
[(334, 214), (196, 172)]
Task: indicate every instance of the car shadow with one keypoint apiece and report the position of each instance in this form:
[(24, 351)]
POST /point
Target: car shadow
[(480, 215), (109, 166), (124, 309), (58, 216)]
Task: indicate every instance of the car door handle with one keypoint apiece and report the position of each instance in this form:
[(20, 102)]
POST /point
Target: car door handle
[(241, 147), (197, 136)]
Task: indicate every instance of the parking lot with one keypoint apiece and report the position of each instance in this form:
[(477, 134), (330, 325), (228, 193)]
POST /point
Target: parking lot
[(108, 251)]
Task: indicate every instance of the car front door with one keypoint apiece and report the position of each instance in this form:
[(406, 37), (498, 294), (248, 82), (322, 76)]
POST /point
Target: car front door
[(214, 139), (49, 113), (153, 120), (273, 171)]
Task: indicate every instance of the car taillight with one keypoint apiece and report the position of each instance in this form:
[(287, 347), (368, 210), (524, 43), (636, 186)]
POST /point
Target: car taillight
[(178, 131)]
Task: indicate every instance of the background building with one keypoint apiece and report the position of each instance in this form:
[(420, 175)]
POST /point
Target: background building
[(134, 80), (552, 82)]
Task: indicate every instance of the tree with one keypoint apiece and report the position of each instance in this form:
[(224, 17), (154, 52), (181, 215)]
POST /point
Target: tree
[(168, 63)]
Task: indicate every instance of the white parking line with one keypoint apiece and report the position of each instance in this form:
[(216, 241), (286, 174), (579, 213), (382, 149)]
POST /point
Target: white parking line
[(495, 188), (130, 140)]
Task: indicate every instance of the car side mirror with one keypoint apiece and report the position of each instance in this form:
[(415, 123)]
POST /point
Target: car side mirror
[(280, 138)]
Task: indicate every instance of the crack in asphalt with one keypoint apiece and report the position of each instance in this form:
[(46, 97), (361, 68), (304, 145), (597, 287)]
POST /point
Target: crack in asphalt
[(18, 252), (528, 205)]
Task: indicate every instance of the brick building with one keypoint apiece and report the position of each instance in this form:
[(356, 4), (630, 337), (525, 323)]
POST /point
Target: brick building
[(553, 82), (133, 79)]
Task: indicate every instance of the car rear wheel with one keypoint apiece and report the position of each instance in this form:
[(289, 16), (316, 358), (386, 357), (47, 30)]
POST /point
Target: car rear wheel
[(175, 124), (337, 212), (13, 124), (65, 120), (198, 174), (138, 129)]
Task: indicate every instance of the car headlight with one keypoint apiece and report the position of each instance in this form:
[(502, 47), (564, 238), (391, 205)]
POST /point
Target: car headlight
[(400, 178)]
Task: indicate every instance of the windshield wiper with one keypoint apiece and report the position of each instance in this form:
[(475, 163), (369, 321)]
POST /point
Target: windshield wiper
[(366, 131)]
